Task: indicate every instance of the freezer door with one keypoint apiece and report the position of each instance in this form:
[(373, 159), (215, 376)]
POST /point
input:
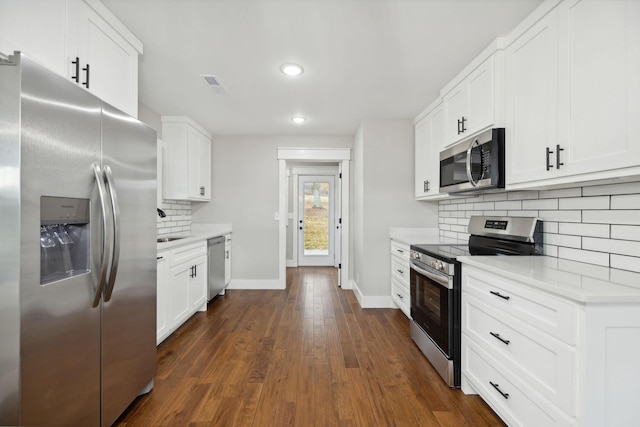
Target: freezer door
[(129, 307), (60, 329)]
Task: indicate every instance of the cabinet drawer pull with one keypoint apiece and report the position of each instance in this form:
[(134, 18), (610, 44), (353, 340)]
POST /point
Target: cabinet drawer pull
[(86, 75), (400, 271), (497, 387), (549, 152), (399, 251), (493, 334), (558, 162), (498, 294), (77, 64), (400, 296)]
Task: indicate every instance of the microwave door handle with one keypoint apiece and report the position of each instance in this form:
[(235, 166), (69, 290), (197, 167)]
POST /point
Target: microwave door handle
[(469, 150), (440, 279)]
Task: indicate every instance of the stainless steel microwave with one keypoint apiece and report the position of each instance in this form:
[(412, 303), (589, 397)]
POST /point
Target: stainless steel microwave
[(474, 164)]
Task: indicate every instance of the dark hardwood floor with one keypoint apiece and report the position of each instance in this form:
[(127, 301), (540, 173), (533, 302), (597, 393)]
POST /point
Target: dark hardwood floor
[(304, 356)]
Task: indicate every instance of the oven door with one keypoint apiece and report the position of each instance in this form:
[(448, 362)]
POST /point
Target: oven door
[(432, 305)]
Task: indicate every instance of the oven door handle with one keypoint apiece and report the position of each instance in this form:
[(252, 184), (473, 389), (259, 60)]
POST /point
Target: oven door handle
[(441, 279)]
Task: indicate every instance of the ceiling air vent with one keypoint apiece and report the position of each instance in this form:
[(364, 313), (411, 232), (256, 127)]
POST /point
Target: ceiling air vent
[(215, 83)]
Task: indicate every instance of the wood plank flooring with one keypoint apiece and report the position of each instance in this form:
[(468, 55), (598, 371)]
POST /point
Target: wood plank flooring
[(304, 356)]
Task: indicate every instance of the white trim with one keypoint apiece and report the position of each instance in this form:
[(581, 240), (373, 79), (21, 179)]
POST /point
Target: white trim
[(283, 219), (292, 263), (381, 301), (312, 155), (316, 154), (255, 284)]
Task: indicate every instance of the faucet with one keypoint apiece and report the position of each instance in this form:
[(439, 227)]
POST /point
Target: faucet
[(161, 213)]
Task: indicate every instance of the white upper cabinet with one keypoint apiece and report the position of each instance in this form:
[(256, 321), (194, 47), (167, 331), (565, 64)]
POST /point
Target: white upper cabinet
[(573, 95), (187, 160), (429, 139), (78, 39), (108, 56), (599, 85), (40, 35), (531, 111), (473, 104)]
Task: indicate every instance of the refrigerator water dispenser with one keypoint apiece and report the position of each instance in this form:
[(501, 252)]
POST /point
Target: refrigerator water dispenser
[(64, 238)]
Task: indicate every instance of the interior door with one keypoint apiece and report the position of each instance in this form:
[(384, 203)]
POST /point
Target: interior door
[(316, 237)]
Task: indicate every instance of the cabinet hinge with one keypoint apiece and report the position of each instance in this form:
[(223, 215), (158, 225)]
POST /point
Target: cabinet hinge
[(339, 266), (340, 176)]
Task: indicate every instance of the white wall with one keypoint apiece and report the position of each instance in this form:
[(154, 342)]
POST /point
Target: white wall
[(245, 194), (383, 198)]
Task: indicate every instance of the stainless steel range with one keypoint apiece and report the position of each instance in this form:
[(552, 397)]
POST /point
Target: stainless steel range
[(435, 284)]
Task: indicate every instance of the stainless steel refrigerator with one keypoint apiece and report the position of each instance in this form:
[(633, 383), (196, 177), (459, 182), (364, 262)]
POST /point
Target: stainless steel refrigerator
[(77, 252)]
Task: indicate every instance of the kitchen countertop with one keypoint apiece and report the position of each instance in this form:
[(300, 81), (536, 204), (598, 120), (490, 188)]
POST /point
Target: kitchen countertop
[(583, 283), (421, 236), (198, 232)]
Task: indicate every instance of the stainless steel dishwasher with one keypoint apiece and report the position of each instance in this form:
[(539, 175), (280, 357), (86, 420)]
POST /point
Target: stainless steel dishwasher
[(215, 259)]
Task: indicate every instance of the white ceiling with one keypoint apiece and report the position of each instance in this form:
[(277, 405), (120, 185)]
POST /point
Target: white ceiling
[(384, 59)]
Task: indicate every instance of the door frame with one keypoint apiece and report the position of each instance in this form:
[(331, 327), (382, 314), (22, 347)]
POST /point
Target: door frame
[(342, 156)]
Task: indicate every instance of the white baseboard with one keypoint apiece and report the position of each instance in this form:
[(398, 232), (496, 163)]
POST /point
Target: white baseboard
[(378, 301), (255, 284), (347, 284), (292, 263)]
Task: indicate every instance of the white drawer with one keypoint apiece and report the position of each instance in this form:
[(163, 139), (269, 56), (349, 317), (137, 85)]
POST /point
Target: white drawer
[(400, 250), (400, 270), (187, 252), (516, 403), (401, 296), (545, 312), (545, 363)]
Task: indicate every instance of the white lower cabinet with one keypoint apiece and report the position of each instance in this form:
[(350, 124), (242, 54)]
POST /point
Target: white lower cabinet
[(182, 286), (400, 277), (543, 360)]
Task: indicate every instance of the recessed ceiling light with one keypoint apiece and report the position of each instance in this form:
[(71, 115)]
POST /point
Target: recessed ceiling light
[(298, 120), (291, 70)]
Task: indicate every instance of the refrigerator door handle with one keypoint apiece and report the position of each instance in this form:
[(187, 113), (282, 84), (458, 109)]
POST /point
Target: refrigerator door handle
[(105, 232), (115, 257)]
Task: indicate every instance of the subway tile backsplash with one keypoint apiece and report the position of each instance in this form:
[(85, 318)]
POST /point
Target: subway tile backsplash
[(178, 219), (597, 224)]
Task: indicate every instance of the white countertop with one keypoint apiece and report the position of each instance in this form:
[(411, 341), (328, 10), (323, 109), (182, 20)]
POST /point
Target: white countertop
[(584, 283), (421, 236), (198, 232)]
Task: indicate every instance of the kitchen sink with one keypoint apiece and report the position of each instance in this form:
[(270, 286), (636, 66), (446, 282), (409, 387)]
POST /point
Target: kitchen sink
[(168, 239)]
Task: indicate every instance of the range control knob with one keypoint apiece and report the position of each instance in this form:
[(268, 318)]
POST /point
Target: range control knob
[(437, 265)]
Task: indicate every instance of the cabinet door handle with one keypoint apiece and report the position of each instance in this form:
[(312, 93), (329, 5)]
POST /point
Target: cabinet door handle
[(86, 75), (459, 130), (400, 296), (549, 152), (493, 334), (497, 387), (202, 191), (426, 186), (464, 129), (226, 255), (558, 162), (498, 294), (77, 64)]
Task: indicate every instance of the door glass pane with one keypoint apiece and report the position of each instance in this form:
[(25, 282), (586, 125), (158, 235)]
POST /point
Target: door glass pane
[(316, 218)]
